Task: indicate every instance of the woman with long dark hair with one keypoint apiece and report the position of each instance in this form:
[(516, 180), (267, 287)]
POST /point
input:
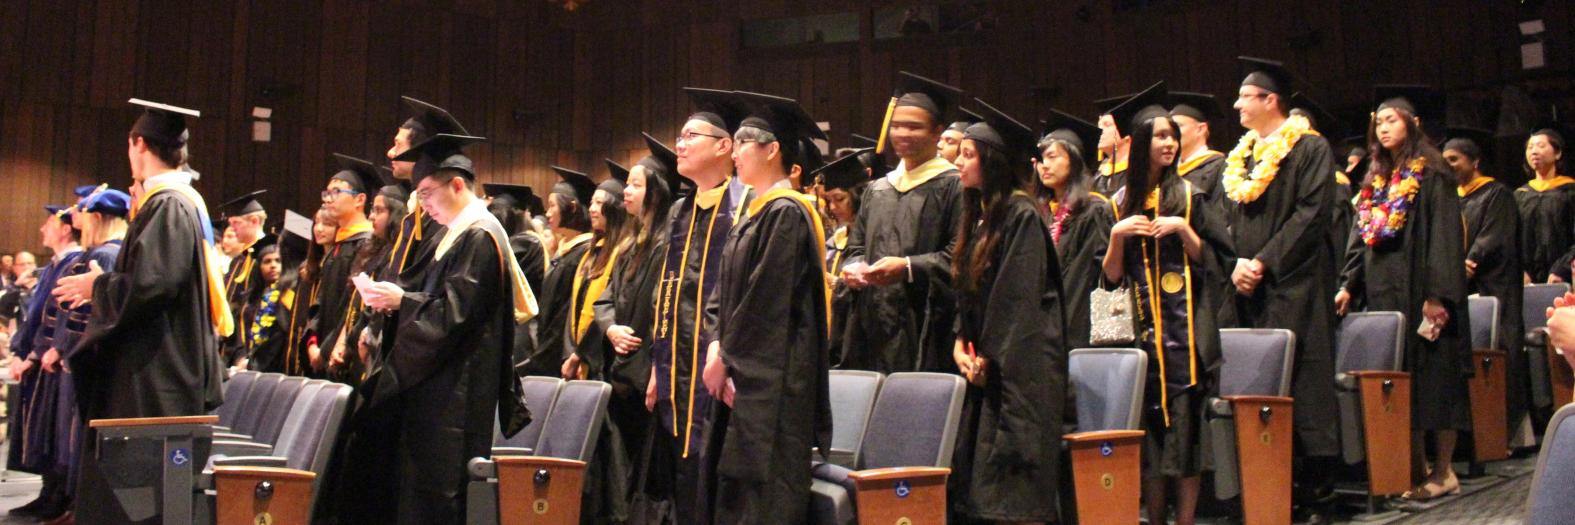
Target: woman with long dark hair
[(1011, 333), (1409, 257), (305, 354), (1079, 220), (625, 312), (1169, 249)]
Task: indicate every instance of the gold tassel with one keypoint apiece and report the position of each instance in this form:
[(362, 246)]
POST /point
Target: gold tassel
[(885, 126)]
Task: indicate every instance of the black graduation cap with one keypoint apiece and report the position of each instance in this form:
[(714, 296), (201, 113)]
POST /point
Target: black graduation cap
[(243, 205), (1201, 107), (617, 171), (1322, 120), (440, 152), (1420, 101), (967, 118), (163, 123), (1358, 142), (809, 157), (1003, 133), (844, 173), (1140, 107), (662, 159), (1104, 105), (517, 196), (1268, 75), (783, 117), (361, 175), (937, 98), (575, 185), (1064, 127), (1472, 141), (427, 120), (872, 157), (716, 107)]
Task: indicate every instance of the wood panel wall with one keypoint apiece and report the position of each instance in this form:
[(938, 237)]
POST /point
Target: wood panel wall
[(553, 87)]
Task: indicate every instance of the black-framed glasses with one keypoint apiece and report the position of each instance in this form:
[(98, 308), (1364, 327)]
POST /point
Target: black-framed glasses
[(329, 194), (691, 135)]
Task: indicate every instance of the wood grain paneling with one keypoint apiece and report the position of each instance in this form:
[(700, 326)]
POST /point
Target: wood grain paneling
[(546, 86)]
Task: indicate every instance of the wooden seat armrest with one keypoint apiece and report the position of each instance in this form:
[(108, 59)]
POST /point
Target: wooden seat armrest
[(882, 474), (1103, 435), (154, 421)]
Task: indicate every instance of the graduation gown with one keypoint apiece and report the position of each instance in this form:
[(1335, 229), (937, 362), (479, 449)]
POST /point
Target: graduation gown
[(1177, 327), (73, 323), (1109, 179), (1080, 250), (335, 296), (907, 326), (242, 285), (843, 296), (1006, 469), (531, 255), (630, 300), (557, 289), (268, 330), (1492, 232), (1287, 229), (1547, 225), (448, 375), (31, 434), (771, 316), (1204, 172), (1425, 260), (151, 349)]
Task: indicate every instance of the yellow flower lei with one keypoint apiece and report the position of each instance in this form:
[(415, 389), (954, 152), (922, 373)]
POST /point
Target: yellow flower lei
[(1243, 187)]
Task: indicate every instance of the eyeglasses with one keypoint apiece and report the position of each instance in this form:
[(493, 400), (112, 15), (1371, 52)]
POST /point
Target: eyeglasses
[(691, 135), (329, 194)]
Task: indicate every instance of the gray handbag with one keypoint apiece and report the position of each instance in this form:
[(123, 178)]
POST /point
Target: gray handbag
[(1110, 314)]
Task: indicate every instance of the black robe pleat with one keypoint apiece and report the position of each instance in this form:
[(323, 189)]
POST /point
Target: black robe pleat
[(1547, 227)]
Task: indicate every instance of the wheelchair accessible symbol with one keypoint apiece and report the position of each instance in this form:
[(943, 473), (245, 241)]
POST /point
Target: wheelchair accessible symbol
[(179, 457), (1105, 449), (903, 489)]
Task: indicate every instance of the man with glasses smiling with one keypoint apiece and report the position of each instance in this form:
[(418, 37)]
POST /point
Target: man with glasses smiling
[(1279, 188), (349, 198)]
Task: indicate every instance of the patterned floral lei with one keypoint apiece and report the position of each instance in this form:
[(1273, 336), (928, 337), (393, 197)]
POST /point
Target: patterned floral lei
[(267, 315), (1243, 187), (1383, 206)]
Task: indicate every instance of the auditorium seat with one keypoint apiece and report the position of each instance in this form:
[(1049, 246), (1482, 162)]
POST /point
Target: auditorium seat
[(250, 407), (292, 466), (1106, 450), (1553, 484), (1544, 366), (852, 398), (1374, 392), (545, 487), (540, 394), (1489, 422), (1250, 424), (236, 389), (905, 456)]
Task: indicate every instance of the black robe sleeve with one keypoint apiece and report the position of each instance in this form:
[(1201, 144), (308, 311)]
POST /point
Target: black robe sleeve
[(1299, 236), (936, 266), (433, 321)]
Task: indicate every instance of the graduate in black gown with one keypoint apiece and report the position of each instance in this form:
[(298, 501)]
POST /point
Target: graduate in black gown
[(1547, 207), (1411, 258), (268, 328), (1114, 149), (349, 195), (569, 217), (700, 224), (1278, 185), (899, 247), (842, 184), (1492, 256), (1199, 164), (449, 374), (624, 314), (364, 324), (1170, 248), (245, 218), (771, 316), (30, 429), (304, 313), (1079, 219), (1011, 334), (151, 347), (950, 144), (510, 204)]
